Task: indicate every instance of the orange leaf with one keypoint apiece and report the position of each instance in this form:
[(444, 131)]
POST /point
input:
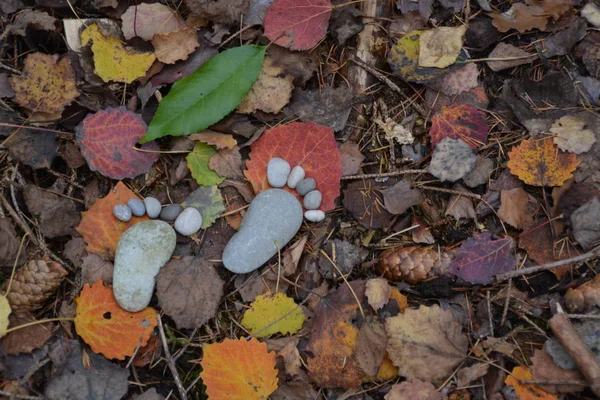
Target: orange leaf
[(461, 121), (307, 144), (238, 370), (106, 327), (541, 163), (526, 392), (99, 227)]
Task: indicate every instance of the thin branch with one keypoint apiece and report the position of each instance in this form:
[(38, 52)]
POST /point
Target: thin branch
[(170, 362), (385, 174)]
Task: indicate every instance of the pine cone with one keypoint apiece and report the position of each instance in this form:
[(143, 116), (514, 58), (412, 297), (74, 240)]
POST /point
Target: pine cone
[(9, 244), (413, 264), (34, 283)]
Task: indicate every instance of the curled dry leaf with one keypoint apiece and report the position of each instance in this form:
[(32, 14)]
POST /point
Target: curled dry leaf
[(29, 18), (413, 264), (271, 91), (378, 292), (32, 147), (370, 346), (57, 215)]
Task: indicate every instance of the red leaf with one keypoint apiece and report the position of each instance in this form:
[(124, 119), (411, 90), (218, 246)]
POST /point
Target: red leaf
[(306, 144), (107, 139), (463, 122), (480, 258), (297, 24)]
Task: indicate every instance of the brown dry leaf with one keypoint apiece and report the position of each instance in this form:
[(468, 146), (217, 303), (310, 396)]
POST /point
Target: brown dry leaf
[(174, 46), (227, 163), (233, 202), (189, 291), (271, 91), (441, 46), (414, 389), (545, 369), (46, 85), (401, 197), (469, 374), (291, 256), (352, 158), (371, 346), (508, 56), (217, 139), (29, 18), (56, 215), (460, 206), (421, 234), (530, 15), (287, 349), (584, 297), (9, 244), (298, 388), (378, 293), (147, 20), (26, 339), (426, 343), (96, 268), (365, 203), (516, 208)]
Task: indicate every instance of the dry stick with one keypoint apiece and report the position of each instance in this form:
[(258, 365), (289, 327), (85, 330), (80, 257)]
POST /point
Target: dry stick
[(584, 359), (385, 174), (450, 191), (544, 267), (172, 367)]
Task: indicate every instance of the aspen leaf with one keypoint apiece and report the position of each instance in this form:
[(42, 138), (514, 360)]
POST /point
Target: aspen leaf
[(404, 60), (524, 391), (147, 20), (106, 327), (238, 369), (98, 226), (452, 160), (461, 121), (570, 135), (270, 314), (540, 163), (440, 47), (198, 161), (112, 60)]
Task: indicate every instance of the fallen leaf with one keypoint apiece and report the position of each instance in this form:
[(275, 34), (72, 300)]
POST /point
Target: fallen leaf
[(238, 370), (291, 256), (545, 369), (219, 85), (271, 91), (422, 233), (150, 353), (414, 389), (146, 20), (584, 297), (32, 147), (591, 12), (560, 43), (106, 327), (451, 160), (96, 379), (46, 84), (508, 56), (526, 391), (351, 158), (346, 22), (461, 121), (174, 46), (5, 311), (395, 132), (370, 346), (460, 206), (459, 80), (227, 163), (208, 201), (112, 60), (217, 139), (344, 254), (440, 47), (219, 11), (189, 291), (480, 174), (515, 208), (315, 150), (378, 293), (257, 12), (426, 343), (404, 60), (530, 15), (9, 246), (475, 97), (25, 339), (297, 24), (100, 229), (198, 160), (302, 65), (180, 70), (107, 141), (29, 18), (469, 374), (401, 197), (271, 314), (481, 257), (586, 225), (96, 268), (365, 203), (334, 336), (56, 215), (570, 135)]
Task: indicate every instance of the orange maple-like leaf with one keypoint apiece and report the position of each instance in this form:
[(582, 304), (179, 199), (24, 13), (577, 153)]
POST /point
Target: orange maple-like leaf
[(238, 370), (526, 392), (106, 327), (539, 162), (100, 228)]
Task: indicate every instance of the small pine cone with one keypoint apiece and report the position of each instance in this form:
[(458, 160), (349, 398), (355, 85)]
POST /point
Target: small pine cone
[(34, 283), (413, 264)]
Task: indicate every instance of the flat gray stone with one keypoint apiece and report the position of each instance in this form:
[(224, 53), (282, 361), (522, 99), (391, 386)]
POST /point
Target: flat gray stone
[(273, 216), (305, 186), (141, 252)]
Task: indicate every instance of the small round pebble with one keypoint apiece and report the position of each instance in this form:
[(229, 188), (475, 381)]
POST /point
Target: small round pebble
[(312, 200), (305, 186), (122, 212), (296, 176), (314, 215), (278, 171), (188, 222), (171, 212), (152, 207), (137, 207)]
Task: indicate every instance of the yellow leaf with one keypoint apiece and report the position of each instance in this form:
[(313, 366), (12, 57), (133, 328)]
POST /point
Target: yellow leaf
[(523, 391), (278, 310), (112, 60), (4, 313)]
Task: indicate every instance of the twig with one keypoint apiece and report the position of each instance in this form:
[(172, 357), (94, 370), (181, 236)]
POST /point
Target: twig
[(19, 396), (170, 362), (385, 174), (544, 267), (506, 303), (450, 191)]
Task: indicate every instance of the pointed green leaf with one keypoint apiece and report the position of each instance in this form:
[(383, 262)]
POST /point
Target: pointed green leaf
[(209, 94), (197, 162)]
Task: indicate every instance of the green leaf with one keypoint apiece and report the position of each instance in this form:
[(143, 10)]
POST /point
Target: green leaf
[(209, 94), (208, 201), (197, 162)]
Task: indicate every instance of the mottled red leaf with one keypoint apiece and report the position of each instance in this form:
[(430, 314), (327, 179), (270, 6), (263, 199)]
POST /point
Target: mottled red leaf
[(306, 144), (297, 24), (459, 122), (107, 139), (481, 257)]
